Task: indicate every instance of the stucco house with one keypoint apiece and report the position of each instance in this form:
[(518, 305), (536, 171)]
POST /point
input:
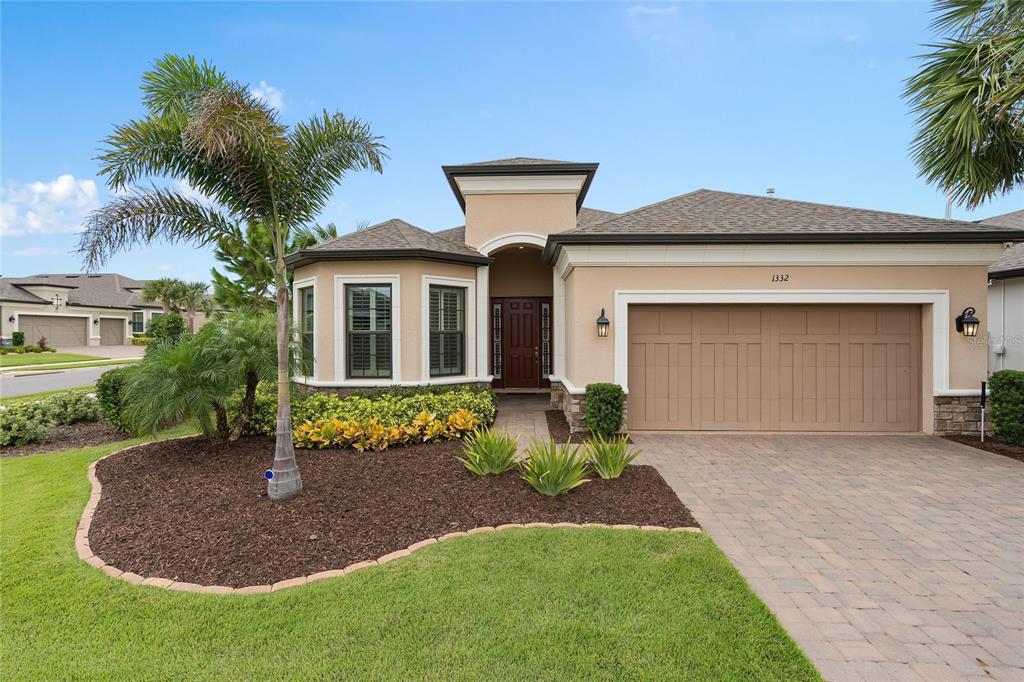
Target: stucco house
[(712, 310), (75, 309), (1006, 301)]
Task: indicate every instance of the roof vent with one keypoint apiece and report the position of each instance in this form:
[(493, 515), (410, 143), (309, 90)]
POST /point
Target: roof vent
[(770, 192)]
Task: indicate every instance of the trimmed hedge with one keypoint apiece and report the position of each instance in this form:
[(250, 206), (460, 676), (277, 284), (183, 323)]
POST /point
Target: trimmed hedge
[(1007, 398), (110, 392), (18, 338), (29, 422), (396, 408), (605, 409)]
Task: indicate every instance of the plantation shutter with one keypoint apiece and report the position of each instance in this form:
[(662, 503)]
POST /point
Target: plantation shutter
[(447, 331), (368, 318)]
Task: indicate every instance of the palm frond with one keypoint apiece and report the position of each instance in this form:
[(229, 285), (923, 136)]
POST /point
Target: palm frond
[(143, 217), (170, 87)]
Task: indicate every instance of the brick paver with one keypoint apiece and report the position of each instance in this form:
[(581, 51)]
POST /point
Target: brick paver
[(522, 415), (885, 557)]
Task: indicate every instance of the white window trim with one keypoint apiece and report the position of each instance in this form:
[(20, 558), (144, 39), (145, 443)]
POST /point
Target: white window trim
[(937, 298), (340, 334), (298, 285), (469, 325), (483, 317), (512, 239)]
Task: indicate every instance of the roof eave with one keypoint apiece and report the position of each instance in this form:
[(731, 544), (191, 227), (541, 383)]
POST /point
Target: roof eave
[(555, 241), (307, 256), (588, 169), (1007, 274)]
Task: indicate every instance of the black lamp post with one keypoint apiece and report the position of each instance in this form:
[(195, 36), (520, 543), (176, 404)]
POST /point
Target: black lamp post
[(966, 323), (602, 325)]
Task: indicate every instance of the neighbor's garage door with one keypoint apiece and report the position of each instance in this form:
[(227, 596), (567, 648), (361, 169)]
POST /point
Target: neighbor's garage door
[(775, 368), (111, 331), (59, 331)]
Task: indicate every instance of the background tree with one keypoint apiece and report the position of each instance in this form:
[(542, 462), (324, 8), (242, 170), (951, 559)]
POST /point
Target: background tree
[(969, 97), (247, 256), (192, 298), (205, 129), (166, 291)]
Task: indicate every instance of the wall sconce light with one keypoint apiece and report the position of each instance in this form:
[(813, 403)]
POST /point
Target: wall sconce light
[(602, 325), (11, 318), (95, 320), (966, 323)]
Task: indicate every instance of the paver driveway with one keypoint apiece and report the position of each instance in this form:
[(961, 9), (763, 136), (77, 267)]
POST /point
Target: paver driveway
[(886, 557)]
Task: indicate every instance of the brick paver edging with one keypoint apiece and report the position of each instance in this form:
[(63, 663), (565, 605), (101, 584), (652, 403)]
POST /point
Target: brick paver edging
[(85, 553)]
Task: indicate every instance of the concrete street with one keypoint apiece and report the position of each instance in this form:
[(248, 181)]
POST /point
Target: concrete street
[(21, 383)]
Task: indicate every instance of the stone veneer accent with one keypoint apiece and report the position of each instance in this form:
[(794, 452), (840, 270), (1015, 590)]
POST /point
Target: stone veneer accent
[(957, 415), (85, 552), (574, 407)]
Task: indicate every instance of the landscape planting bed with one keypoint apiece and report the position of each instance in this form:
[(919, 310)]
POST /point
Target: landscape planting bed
[(194, 511)]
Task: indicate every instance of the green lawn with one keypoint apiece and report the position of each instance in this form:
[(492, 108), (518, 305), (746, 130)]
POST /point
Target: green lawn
[(29, 397), (523, 604), (21, 359)]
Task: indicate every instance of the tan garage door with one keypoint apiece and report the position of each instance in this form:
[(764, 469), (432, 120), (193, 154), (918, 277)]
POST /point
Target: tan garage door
[(111, 331), (59, 331), (775, 368)]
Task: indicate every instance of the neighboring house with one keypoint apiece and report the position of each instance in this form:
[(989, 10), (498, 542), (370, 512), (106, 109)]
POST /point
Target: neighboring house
[(75, 310), (724, 311), (1006, 301)]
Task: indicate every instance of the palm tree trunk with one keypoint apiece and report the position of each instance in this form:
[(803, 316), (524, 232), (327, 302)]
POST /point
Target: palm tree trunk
[(191, 322), (245, 409), (286, 482)]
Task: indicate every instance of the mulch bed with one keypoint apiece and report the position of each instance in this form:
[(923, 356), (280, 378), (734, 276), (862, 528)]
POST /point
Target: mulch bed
[(80, 435), (196, 512), (558, 427), (991, 445)]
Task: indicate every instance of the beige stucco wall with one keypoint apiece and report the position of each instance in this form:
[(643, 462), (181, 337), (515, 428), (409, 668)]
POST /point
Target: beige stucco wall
[(489, 216), (520, 272), (410, 274), (590, 288)]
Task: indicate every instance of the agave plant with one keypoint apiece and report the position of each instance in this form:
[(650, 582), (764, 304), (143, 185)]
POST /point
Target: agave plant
[(609, 457), (489, 451), (554, 469)]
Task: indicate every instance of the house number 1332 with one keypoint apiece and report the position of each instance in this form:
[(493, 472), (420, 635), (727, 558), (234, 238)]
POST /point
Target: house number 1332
[(780, 278)]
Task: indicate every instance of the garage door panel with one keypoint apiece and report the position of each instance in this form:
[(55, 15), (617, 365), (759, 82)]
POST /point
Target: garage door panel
[(58, 330), (798, 368)]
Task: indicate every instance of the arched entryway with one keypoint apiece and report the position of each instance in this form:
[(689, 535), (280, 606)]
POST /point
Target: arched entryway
[(521, 325)]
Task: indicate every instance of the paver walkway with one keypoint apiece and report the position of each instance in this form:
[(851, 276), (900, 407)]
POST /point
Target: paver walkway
[(522, 415), (885, 557)]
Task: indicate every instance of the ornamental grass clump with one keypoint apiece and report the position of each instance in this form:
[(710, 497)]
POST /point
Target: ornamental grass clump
[(609, 457), (489, 451), (553, 469)]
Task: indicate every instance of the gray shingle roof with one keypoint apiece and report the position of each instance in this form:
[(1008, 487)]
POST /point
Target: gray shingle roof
[(109, 290), (1012, 261), (711, 212), (394, 234), (516, 161)]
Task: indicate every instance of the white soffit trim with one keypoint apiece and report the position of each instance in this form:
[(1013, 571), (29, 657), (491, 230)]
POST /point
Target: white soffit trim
[(511, 239), (370, 383), (573, 255), (937, 298), (469, 325), (339, 330), (520, 184)]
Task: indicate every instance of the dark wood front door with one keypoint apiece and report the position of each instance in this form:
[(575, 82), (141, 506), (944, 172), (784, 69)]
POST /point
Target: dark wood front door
[(522, 342)]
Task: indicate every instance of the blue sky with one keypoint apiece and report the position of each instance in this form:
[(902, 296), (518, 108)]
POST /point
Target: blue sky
[(804, 97)]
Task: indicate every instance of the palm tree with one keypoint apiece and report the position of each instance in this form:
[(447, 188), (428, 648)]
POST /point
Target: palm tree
[(969, 97), (192, 297), (166, 290), (212, 133)]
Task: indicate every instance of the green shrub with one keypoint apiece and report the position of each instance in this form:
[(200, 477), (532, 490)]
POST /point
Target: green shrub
[(23, 423), (141, 340), (609, 457), (489, 451), (554, 469), (1007, 398), (110, 391), (390, 410), (167, 329), (18, 338), (605, 408), (72, 407)]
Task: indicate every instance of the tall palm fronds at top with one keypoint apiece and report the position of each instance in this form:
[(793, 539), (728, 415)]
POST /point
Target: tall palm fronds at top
[(192, 298), (969, 97), (166, 291), (208, 131)]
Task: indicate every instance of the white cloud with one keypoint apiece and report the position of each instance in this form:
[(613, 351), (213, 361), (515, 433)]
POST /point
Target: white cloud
[(39, 251), (653, 10), (851, 38), (54, 207), (273, 97), (190, 192)]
